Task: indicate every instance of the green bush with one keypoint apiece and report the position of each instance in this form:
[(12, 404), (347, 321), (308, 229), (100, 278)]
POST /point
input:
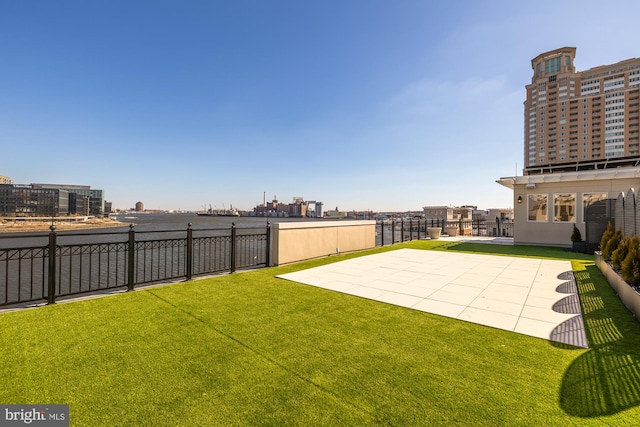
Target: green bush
[(620, 253), (612, 245), (608, 232), (630, 268)]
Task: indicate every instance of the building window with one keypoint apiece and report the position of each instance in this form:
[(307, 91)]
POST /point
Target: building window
[(537, 207), (564, 207), (589, 199), (552, 66)]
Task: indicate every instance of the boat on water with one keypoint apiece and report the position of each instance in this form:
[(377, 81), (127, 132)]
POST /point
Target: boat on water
[(226, 213)]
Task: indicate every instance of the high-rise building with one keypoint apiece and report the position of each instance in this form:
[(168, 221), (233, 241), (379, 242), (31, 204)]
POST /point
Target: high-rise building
[(581, 148), (580, 120), (5, 180), (139, 207)]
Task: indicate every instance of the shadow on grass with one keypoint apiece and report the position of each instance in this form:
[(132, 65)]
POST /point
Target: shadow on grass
[(517, 250), (606, 379)]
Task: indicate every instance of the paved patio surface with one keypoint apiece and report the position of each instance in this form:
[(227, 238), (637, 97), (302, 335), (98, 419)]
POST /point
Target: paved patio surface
[(529, 296)]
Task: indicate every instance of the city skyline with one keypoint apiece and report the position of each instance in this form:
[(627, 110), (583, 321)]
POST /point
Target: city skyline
[(363, 105)]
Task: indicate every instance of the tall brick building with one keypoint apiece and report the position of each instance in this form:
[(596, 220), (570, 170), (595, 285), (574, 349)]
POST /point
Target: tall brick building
[(578, 120)]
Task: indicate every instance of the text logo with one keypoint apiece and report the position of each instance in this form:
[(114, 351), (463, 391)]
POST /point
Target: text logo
[(34, 415)]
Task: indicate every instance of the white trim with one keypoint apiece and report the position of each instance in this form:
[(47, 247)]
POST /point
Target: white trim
[(321, 224), (595, 175)]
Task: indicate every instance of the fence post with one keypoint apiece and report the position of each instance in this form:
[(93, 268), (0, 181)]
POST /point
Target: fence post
[(382, 233), (402, 230), (460, 229), (51, 297), (411, 229), (131, 259), (189, 266), (233, 247), (268, 244), (393, 231)]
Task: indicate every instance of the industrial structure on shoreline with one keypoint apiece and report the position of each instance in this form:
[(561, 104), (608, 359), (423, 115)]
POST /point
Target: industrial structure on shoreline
[(299, 208)]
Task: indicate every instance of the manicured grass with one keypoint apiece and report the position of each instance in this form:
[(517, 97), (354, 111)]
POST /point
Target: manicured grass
[(250, 349)]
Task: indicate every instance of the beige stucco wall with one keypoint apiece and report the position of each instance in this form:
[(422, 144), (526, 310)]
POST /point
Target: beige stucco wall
[(559, 233), (297, 241)]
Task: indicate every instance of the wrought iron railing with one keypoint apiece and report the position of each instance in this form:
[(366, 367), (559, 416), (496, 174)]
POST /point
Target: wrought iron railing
[(401, 230), (78, 263), (49, 266)]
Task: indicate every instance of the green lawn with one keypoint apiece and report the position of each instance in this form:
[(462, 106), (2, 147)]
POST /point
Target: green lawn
[(250, 349)]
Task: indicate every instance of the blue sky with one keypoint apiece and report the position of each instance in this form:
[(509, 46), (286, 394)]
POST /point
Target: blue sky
[(382, 105)]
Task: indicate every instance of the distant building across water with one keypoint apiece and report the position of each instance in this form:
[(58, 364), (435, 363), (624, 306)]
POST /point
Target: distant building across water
[(299, 208), (50, 200)]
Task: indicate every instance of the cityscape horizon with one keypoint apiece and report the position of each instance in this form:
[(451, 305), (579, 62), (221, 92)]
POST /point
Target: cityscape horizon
[(391, 109)]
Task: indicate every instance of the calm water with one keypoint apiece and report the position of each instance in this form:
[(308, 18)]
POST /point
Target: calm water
[(149, 225), (157, 222)]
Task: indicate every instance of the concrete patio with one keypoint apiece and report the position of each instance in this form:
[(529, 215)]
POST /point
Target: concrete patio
[(529, 296)]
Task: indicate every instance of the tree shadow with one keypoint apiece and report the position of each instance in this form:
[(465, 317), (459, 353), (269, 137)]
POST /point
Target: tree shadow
[(606, 379), (516, 250), (571, 331)]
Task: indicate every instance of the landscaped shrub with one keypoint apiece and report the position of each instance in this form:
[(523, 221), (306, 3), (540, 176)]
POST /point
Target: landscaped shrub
[(620, 253), (611, 245), (630, 268), (608, 232), (576, 236)]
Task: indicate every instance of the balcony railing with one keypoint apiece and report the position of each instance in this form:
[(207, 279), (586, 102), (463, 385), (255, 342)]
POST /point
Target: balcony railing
[(77, 263), (397, 231), (43, 267)]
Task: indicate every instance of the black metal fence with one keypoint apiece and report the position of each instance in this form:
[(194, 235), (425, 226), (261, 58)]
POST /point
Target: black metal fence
[(77, 263), (47, 266), (397, 231)]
